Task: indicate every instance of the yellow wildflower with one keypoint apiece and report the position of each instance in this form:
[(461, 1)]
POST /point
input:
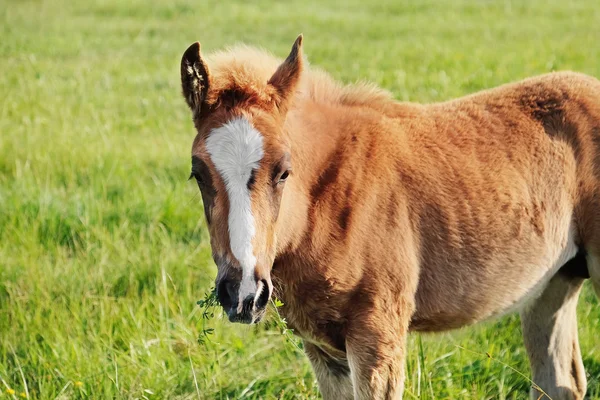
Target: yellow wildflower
[(78, 384), (23, 394), (10, 391)]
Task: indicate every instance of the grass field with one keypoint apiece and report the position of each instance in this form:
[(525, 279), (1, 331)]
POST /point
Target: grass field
[(103, 247)]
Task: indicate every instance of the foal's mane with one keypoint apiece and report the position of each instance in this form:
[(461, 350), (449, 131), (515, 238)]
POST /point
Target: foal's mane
[(246, 70)]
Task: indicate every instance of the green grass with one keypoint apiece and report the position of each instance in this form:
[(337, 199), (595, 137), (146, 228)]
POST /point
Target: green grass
[(103, 247)]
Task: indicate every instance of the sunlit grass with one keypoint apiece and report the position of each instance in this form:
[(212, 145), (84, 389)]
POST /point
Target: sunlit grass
[(103, 247)]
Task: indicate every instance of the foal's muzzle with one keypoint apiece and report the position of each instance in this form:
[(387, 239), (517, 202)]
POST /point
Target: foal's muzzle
[(244, 302)]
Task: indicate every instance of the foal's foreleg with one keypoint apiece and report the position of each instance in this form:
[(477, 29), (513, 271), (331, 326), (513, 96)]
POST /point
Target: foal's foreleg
[(333, 375), (376, 354), (550, 335)]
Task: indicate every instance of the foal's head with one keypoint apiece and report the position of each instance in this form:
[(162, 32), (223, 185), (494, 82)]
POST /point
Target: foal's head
[(241, 161)]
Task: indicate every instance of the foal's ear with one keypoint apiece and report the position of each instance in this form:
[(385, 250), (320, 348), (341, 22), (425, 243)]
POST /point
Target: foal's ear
[(194, 77), (286, 78)]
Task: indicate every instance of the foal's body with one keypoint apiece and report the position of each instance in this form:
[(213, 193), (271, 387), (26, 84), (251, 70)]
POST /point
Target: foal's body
[(435, 217), (403, 217)]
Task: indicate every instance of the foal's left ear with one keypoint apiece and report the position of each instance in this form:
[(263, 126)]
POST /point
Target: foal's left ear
[(194, 77), (287, 76)]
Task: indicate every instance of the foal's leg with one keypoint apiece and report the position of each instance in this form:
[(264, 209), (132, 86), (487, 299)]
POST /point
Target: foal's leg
[(333, 375), (550, 335), (376, 355)]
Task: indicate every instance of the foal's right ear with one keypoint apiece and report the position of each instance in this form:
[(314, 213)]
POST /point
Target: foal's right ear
[(194, 77)]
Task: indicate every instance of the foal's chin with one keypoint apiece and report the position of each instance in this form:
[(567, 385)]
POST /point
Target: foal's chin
[(249, 318)]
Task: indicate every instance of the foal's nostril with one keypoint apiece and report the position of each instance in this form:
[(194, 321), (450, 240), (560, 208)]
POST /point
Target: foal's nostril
[(226, 292), (263, 298)]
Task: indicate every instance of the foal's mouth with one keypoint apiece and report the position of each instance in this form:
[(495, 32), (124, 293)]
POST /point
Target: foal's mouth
[(252, 317), (249, 319), (253, 307)]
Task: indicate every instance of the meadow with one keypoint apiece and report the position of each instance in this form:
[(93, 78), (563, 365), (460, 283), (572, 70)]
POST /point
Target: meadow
[(103, 246)]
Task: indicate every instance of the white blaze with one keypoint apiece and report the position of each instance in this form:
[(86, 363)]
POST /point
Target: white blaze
[(236, 149)]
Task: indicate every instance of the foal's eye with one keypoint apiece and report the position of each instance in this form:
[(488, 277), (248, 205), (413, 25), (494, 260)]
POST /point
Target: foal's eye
[(284, 176)]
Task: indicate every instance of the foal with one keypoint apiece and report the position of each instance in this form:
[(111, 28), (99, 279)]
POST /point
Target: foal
[(371, 218)]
